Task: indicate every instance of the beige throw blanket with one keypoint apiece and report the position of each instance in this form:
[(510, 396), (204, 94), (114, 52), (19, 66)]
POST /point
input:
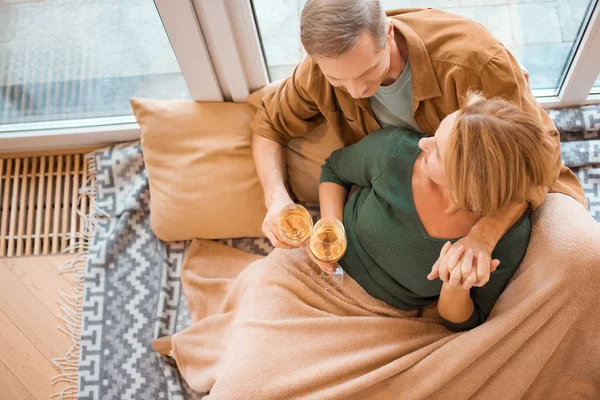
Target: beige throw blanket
[(273, 333)]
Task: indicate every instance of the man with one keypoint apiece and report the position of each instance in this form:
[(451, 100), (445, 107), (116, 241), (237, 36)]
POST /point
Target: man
[(411, 68)]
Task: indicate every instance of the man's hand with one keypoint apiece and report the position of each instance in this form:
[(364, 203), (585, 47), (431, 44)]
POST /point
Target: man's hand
[(269, 226), (481, 240), (465, 263)]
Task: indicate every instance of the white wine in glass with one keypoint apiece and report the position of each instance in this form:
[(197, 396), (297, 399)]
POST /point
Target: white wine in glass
[(295, 225), (328, 244)]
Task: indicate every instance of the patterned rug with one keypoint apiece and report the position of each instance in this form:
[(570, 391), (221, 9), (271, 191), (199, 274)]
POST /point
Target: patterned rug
[(579, 129), (132, 293), (131, 290)]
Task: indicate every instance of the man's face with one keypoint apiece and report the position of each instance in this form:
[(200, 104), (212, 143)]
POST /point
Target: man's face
[(361, 70)]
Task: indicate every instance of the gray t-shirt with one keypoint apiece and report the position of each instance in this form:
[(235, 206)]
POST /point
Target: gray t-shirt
[(392, 105)]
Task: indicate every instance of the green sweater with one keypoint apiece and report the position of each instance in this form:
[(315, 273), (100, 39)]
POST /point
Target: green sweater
[(389, 252)]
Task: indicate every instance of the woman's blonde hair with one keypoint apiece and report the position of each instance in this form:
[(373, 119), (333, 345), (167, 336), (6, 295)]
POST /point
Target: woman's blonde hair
[(497, 154)]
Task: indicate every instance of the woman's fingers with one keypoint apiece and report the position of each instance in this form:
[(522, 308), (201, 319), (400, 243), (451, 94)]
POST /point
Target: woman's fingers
[(449, 263), (327, 268), (455, 278), (435, 269), (445, 249)]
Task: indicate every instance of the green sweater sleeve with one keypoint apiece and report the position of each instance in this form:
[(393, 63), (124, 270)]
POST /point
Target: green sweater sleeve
[(510, 251), (363, 162)]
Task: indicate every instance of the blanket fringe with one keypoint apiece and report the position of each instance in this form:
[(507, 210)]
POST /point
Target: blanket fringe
[(71, 304)]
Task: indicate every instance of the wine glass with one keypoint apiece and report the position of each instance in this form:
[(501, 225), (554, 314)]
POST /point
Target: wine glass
[(328, 244), (295, 225)]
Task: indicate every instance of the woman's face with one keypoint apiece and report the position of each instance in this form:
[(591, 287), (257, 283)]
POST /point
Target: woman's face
[(434, 149)]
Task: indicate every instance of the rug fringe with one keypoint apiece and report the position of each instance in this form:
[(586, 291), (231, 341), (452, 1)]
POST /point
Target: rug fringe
[(71, 304)]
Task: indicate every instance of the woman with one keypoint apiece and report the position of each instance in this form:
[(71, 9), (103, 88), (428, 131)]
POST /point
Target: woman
[(280, 334), (417, 194)]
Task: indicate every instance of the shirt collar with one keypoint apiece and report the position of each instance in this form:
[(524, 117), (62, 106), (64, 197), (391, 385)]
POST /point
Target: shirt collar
[(424, 80)]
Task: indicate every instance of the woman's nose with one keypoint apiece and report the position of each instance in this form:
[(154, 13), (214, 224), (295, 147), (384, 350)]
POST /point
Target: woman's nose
[(424, 144)]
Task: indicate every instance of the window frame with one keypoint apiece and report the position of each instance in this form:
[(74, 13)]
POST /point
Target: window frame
[(186, 37), (234, 67), (576, 87), (583, 70)]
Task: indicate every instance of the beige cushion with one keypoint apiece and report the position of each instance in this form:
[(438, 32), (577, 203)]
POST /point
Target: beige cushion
[(198, 156), (305, 155)]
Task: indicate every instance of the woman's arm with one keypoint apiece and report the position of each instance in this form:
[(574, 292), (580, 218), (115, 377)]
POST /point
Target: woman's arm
[(358, 164), (332, 198), (455, 305), (361, 163), (465, 306)]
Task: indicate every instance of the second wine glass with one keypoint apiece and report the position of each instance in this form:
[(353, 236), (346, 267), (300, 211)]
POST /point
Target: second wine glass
[(328, 244)]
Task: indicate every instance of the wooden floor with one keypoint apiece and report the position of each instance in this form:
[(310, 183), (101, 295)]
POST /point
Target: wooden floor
[(29, 338)]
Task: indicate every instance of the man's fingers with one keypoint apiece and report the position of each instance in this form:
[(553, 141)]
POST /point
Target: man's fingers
[(276, 242), (454, 257), (495, 265), (470, 281), (467, 263), (483, 264)]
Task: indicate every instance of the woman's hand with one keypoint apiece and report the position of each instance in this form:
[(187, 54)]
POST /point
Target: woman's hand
[(325, 267), (462, 266)]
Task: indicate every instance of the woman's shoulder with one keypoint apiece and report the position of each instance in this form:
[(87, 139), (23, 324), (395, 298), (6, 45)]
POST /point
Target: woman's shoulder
[(392, 137)]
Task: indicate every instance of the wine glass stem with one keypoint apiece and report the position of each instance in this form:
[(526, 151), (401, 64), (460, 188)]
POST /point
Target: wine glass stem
[(337, 270)]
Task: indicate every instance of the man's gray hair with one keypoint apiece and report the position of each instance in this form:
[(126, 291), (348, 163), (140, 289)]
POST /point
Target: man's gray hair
[(330, 28)]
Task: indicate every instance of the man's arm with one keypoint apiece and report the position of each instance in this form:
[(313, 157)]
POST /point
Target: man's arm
[(269, 159), (490, 229), (502, 77), (287, 112)]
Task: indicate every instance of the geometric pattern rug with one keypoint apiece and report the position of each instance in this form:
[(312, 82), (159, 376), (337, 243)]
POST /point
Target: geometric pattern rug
[(579, 129), (131, 288), (132, 293)]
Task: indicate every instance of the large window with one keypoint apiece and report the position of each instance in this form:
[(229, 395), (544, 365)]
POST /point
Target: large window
[(69, 67), (542, 34), (74, 59)]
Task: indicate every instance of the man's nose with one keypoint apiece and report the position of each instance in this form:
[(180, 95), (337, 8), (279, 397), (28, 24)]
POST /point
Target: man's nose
[(356, 89)]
